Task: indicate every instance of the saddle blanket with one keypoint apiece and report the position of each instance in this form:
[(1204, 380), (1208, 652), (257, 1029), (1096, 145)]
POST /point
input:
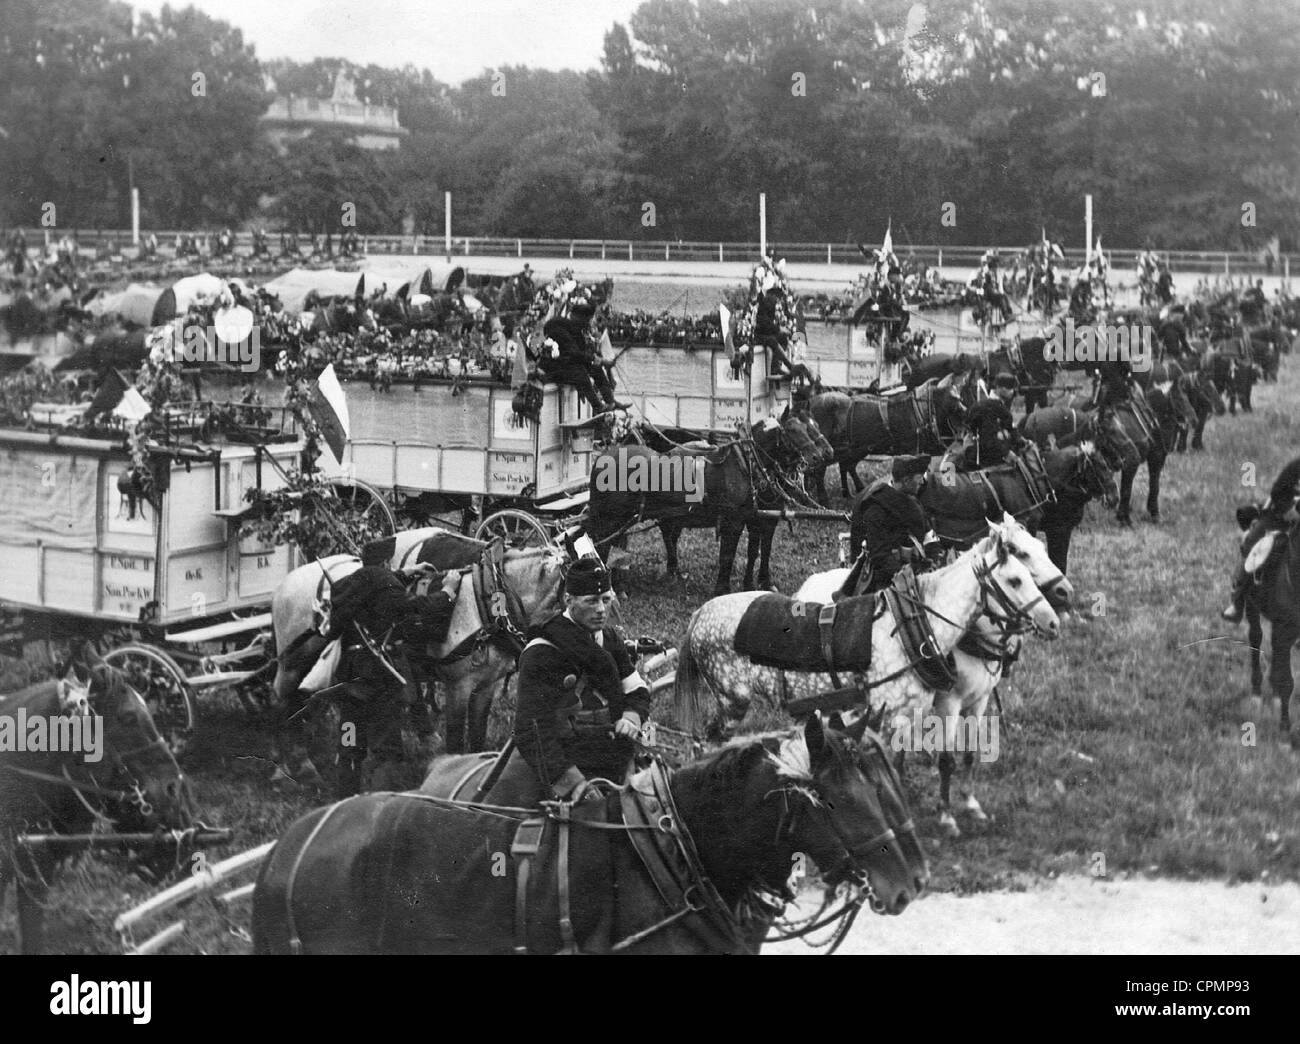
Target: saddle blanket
[(777, 631)]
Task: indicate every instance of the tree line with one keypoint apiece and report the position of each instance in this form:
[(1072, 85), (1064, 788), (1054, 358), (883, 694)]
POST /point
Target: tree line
[(955, 121)]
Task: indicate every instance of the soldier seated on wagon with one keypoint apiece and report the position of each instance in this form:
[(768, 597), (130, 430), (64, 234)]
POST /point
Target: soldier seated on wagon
[(569, 356)]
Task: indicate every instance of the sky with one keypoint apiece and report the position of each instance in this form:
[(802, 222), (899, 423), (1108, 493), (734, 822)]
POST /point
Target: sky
[(454, 41)]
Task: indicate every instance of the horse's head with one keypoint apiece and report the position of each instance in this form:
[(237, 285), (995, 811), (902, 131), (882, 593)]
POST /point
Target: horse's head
[(1022, 544), (536, 577), (847, 812), (948, 405), (800, 432), (1112, 441), (1011, 597), (137, 759)]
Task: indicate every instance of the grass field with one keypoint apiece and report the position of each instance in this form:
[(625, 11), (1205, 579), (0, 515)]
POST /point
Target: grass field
[(1122, 740)]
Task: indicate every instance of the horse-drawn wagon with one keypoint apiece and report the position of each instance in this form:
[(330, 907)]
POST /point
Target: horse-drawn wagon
[(449, 444), (143, 557)]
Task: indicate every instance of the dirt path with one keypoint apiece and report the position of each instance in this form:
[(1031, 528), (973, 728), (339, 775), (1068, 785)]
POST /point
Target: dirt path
[(1080, 915)]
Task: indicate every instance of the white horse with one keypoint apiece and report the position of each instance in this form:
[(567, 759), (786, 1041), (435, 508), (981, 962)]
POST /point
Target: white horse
[(718, 686), (471, 663), (978, 662)]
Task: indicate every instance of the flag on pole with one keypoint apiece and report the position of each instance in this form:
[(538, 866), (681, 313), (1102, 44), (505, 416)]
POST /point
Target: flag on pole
[(606, 348), (724, 318), (329, 407), (132, 407), (887, 247)]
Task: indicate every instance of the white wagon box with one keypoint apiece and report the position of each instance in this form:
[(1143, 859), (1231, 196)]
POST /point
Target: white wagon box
[(71, 543)]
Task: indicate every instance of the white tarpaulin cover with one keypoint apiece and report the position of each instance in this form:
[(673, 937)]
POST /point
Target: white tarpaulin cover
[(293, 287)]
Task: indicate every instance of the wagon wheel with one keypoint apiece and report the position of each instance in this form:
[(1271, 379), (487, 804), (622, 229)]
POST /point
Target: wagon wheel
[(159, 679), (348, 516), (518, 529)]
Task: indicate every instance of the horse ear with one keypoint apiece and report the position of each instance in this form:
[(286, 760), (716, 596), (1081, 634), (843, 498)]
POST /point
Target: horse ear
[(814, 737), (1051, 440)]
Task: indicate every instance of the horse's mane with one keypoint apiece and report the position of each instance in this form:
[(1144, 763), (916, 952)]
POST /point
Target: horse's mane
[(723, 770)]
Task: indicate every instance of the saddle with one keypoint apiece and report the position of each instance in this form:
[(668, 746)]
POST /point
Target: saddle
[(781, 632)]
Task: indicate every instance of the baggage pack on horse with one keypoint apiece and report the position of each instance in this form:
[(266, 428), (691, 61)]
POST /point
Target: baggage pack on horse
[(1045, 490), (132, 781), (904, 635), (695, 860)]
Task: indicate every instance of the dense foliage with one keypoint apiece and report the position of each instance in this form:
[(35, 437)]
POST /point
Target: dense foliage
[(1175, 114)]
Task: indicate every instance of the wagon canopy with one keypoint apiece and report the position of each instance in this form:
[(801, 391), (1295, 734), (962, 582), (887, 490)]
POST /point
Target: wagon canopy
[(201, 289), (293, 287), (140, 304)]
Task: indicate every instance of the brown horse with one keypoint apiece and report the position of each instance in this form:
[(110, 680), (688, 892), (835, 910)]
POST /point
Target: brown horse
[(696, 486), (957, 503), (1275, 597), (922, 420), (414, 873), (131, 780)]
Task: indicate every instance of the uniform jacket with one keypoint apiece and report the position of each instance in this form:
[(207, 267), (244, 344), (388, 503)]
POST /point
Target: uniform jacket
[(376, 597), (570, 335), (886, 519), (542, 732)]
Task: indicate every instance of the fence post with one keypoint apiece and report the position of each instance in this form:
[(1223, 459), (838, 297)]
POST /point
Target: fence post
[(719, 252), (629, 250), (602, 250), (828, 253), (940, 264), (665, 251), (1225, 265)]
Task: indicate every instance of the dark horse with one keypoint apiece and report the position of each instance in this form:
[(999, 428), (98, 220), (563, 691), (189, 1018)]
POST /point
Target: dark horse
[(418, 873), (696, 485), (134, 779), (1183, 402), (1275, 597), (1027, 362), (1148, 444), (957, 504), (1123, 438), (922, 420)]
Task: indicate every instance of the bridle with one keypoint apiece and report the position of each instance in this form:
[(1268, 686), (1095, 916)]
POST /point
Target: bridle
[(997, 604), (846, 868)]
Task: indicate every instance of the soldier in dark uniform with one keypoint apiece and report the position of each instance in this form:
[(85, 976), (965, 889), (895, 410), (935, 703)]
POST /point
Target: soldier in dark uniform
[(889, 528), (570, 357), (580, 702), (1283, 499), (992, 425), (768, 333), (374, 699)]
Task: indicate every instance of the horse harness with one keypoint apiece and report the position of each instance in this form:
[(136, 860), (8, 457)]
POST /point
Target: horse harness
[(656, 832)]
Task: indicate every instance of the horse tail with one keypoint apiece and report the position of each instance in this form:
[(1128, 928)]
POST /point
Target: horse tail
[(692, 696)]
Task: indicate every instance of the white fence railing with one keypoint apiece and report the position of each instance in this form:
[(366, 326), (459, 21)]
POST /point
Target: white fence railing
[(1227, 262)]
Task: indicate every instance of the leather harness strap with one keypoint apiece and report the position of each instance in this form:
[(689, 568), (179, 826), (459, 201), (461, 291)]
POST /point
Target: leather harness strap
[(295, 943), (524, 848), (826, 625)]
